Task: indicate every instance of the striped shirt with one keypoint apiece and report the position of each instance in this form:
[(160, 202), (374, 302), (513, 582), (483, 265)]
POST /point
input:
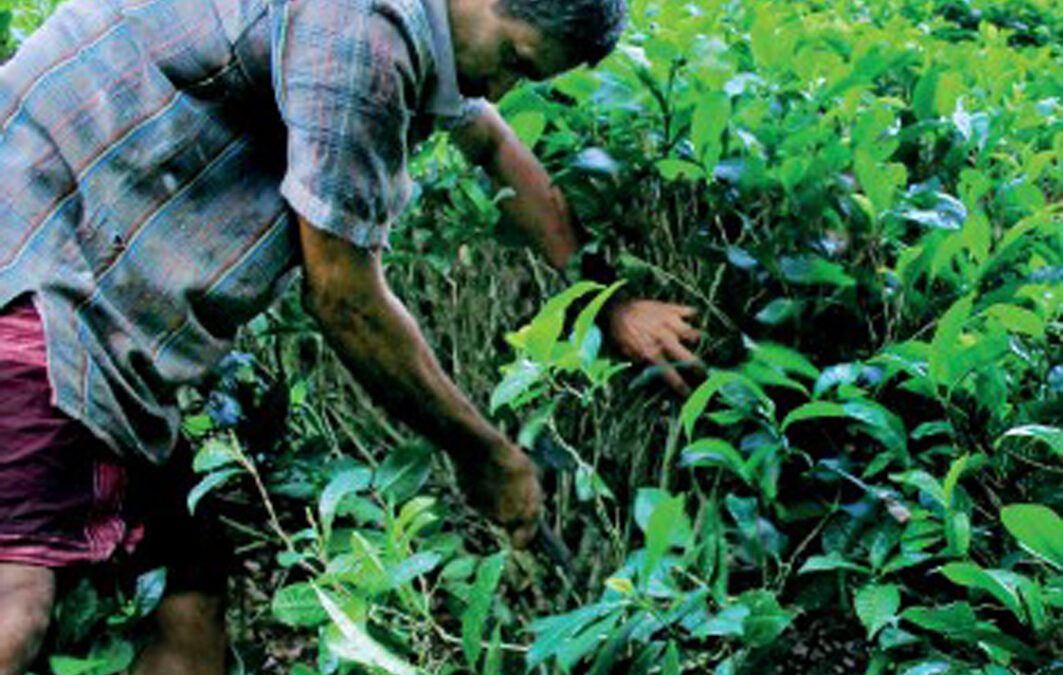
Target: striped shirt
[(154, 153)]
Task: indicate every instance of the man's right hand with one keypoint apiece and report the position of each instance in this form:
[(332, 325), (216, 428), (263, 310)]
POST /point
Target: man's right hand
[(504, 486)]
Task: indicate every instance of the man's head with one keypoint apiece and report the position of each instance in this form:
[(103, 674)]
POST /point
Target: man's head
[(498, 42)]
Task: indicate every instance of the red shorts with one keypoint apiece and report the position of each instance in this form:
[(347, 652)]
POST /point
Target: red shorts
[(67, 499)]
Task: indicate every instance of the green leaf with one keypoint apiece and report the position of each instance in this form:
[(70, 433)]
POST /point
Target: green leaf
[(785, 359), (493, 660), (151, 586), (830, 563), (535, 423), (210, 482), (879, 422), (958, 532), (414, 516), (614, 647), (573, 650), (1038, 528), (923, 94), (553, 632), (925, 483), (700, 398), (587, 316), (646, 500), (69, 665), (116, 656), (667, 523), (808, 270), (416, 565), (708, 123), (342, 484), (977, 235), (766, 620), (356, 645), (545, 329), (948, 90), (956, 620), (928, 668), (459, 569), (935, 428), (216, 452), (882, 424), (674, 169), (998, 583), (298, 605), (671, 660), (956, 471), (778, 310), (1017, 319), (520, 376), (474, 618), (529, 126), (814, 410), (727, 622), (880, 181), (877, 605), (935, 210), (197, 425), (404, 471), (944, 347), (1053, 436), (770, 376), (715, 452), (835, 376)]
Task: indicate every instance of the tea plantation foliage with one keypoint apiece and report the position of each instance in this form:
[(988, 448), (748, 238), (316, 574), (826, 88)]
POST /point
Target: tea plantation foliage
[(862, 199)]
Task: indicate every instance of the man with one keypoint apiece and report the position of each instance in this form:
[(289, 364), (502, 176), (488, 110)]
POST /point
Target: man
[(165, 163)]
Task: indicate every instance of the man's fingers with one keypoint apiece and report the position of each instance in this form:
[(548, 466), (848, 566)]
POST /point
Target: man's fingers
[(678, 353), (685, 311), (668, 372), (674, 380), (685, 331)]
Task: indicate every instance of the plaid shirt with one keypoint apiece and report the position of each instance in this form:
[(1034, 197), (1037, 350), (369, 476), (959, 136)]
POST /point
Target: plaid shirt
[(153, 154)]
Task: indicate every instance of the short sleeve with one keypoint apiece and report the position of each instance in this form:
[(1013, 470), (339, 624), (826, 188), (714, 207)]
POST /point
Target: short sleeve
[(346, 79), (471, 108)]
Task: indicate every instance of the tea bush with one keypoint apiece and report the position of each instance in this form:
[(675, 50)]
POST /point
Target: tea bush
[(863, 201)]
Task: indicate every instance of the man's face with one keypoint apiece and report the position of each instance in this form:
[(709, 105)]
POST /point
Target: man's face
[(493, 51)]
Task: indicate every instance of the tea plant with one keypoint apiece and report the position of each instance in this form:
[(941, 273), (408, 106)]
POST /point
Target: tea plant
[(863, 201)]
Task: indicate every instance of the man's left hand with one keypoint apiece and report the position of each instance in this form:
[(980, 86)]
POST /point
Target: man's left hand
[(655, 332)]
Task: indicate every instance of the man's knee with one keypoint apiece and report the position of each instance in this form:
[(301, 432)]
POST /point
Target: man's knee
[(26, 597)]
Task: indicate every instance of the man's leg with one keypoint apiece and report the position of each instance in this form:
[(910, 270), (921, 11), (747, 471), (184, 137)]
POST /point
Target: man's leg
[(27, 594), (191, 637), (195, 551)]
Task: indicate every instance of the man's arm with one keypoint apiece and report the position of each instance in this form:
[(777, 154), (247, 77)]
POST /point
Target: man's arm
[(644, 330), (381, 344), (537, 208)]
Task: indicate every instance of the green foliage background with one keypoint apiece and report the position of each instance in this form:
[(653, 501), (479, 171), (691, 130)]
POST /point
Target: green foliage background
[(863, 201)]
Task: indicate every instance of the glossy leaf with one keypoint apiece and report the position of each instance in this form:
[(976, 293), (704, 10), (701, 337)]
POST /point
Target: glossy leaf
[(1038, 528), (356, 645), (474, 618), (877, 605)]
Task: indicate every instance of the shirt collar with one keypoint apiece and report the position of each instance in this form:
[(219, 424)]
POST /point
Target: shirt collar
[(445, 100)]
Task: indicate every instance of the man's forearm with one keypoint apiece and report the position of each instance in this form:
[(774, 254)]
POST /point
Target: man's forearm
[(537, 208), (385, 350), (378, 340)]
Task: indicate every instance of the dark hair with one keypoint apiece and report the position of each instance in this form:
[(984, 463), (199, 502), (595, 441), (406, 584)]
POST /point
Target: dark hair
[(587, 29)]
